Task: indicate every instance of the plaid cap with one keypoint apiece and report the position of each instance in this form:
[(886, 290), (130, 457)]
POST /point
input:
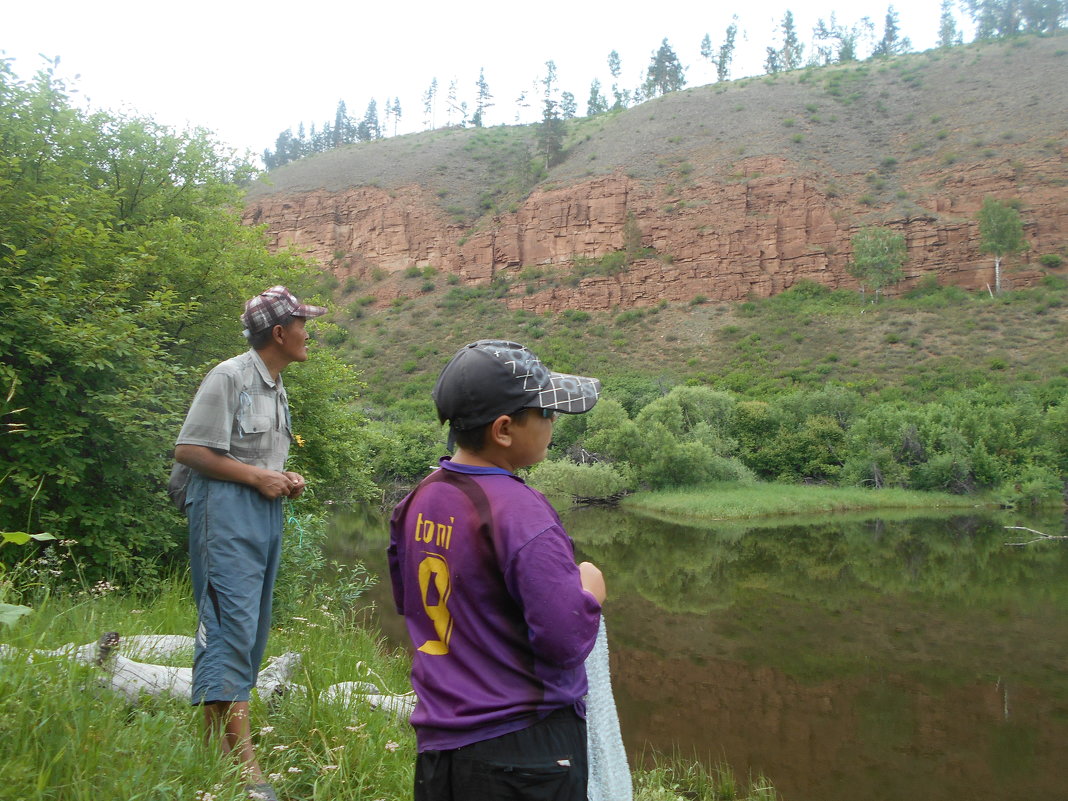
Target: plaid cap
[(270, 308), (491, 377)]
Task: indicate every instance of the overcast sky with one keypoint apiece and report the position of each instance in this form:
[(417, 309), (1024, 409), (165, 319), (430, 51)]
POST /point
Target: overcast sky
[(249, 70)]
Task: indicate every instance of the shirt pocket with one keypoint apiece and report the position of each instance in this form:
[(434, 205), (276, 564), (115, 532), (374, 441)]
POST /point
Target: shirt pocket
[(254, 424)]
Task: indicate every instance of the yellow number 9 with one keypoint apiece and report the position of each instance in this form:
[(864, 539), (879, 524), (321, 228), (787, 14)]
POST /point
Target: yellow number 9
[(435, 568)]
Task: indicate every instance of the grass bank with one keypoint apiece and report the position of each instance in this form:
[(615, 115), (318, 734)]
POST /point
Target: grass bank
[(725, 501), (64, 738)]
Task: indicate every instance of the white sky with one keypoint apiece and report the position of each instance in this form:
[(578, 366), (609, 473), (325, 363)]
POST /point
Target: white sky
[(250, 70)]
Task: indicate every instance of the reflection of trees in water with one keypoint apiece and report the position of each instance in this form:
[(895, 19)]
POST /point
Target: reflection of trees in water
[(689, 569)]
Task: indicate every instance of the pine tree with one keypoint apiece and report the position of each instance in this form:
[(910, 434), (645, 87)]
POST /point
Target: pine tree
[(482, 99), (342, 126), (549, 81), (551, 134), (792, 53), (369, 127), (772, 62), (568, 106), (837, 44), (1044, 16), (891, 44), (521, 103), (596, 104), (995, 19), (789, 56), (706, 49), (428, 103), (450, 103), (621, 96), (948, 35), (726, 51), (665, 73), (396, 114)]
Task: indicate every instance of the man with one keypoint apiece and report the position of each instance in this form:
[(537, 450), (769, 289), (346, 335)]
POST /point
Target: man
[(235, 441)]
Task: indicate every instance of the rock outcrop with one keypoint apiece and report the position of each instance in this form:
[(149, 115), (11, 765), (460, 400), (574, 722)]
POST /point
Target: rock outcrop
[(753, 233)]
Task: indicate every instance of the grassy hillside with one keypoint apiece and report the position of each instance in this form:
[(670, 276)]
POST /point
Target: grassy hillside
[(913, 348), (883, 133)]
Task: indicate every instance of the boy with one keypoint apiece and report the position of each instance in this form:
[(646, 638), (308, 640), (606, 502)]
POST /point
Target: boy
[(500, 616)]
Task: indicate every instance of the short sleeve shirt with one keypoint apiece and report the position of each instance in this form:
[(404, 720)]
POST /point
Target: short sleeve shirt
[(240, 410)]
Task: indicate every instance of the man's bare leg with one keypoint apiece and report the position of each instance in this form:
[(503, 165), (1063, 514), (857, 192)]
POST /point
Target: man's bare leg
[(232, 722)]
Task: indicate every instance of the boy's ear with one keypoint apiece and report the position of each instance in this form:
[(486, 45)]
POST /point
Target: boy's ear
[(500, 432)]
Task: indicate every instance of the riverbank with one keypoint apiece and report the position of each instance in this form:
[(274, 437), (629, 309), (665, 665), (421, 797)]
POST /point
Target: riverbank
[(64, 738), (733, 501)]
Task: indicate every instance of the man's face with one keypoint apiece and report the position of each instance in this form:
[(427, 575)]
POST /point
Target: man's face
[(294, 340)]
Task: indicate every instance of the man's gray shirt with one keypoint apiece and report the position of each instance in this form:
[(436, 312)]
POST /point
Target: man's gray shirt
[(240, 410)]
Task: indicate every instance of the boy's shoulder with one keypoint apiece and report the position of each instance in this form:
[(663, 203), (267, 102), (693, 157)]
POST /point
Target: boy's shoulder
[(504, 495)]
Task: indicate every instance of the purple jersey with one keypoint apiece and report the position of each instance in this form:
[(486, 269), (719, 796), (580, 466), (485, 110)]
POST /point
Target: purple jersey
[(486, 579)]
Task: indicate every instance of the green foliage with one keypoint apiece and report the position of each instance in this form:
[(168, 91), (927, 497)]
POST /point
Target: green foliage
[(303, 570), (550, 134), (329, 451), (878, 257), (1001, 233), (587, 481), (124, 266), (665, 73), (1051, 261)]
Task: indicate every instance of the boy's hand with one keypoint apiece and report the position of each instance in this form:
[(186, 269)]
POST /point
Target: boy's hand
[(592, 580)]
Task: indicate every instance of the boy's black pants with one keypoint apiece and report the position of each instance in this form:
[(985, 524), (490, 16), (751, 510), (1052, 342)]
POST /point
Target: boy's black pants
[(545, 762)]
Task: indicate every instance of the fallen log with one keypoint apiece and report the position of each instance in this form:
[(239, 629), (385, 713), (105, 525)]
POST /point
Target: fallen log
[(133, 679)]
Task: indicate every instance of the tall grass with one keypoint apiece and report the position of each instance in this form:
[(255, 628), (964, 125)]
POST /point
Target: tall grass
[(63, 737), (742, 501)]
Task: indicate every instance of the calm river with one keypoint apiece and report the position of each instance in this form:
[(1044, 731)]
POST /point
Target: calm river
[(845, 658)]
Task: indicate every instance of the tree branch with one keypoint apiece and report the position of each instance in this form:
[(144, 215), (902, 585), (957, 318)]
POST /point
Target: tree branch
[(1039, 538)]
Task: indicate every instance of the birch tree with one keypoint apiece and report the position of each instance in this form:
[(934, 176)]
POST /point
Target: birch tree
[(1001, 234)]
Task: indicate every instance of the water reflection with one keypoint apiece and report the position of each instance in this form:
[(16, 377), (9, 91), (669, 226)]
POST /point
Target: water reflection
[(844, 658)]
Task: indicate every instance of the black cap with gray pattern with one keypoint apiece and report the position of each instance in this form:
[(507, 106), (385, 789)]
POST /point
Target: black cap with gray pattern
[(491, 377)]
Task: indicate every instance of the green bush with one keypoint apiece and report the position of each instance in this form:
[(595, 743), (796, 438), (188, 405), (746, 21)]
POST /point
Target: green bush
[(594, 481), (125, 265)]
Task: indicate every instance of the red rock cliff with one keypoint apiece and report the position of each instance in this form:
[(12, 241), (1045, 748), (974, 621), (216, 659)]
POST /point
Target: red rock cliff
[(754, 233)]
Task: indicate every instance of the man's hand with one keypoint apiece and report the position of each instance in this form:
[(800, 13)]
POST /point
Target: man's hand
[(268, 483), (592, 580), (297, 484), (274, 484)]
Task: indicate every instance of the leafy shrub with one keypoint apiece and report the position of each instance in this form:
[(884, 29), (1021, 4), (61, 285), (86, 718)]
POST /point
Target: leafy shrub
[(566, 478), (111, 315), (1035, 485), (1050, 260), (630, 316)]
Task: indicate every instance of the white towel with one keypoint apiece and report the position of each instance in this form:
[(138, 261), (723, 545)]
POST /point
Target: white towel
[(609, 773)]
